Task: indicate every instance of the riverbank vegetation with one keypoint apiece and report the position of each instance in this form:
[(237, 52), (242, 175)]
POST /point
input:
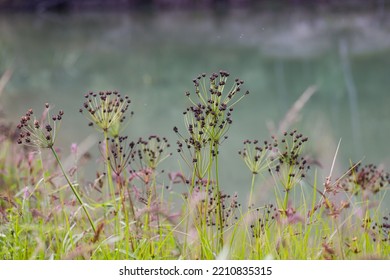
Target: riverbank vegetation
[(132, 209)]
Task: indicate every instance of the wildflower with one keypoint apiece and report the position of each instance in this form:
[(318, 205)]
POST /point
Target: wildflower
[(121, 153), (152, 151), (382, 229), (208, 201), (39, 133), (368, 179), (211, 116), (255, 156), (208, 119), (42, 134), (292, 166), (107, 110), (266, 216)]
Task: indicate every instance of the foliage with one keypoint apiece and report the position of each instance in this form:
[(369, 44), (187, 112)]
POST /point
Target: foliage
[(130, 210)]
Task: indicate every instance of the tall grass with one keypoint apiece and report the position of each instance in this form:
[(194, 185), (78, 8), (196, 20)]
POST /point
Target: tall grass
[(129, 211)]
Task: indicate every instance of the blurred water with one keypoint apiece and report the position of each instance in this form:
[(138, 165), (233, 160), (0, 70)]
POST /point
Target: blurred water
[(154, 57)]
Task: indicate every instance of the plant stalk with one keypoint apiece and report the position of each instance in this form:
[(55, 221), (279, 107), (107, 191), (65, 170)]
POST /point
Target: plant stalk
[(219, 206), (73, 189)]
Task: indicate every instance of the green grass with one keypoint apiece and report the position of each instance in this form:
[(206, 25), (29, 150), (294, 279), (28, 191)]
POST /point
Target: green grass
[(129, 211)]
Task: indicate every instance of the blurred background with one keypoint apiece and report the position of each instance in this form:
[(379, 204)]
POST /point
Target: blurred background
[(58, 50)]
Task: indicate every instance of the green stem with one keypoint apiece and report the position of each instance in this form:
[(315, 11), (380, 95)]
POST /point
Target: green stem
[(109, 171), (155, 197), (287, 189), (219, 206), (285, 203), (132, 240), (252, 187), (73, 189), (126, 216), (209, 179), (131, 205), (188, 210)]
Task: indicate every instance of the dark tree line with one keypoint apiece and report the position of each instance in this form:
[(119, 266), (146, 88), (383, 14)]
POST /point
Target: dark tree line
[(79, 5)]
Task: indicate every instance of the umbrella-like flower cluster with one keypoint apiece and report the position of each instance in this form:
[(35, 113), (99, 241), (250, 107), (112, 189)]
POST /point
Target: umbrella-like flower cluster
[(152, 151), (121, 153), (208, 119), (284, 157), (292, 165), (106, 110), (368, 179), (257, 157), (39, 133)]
